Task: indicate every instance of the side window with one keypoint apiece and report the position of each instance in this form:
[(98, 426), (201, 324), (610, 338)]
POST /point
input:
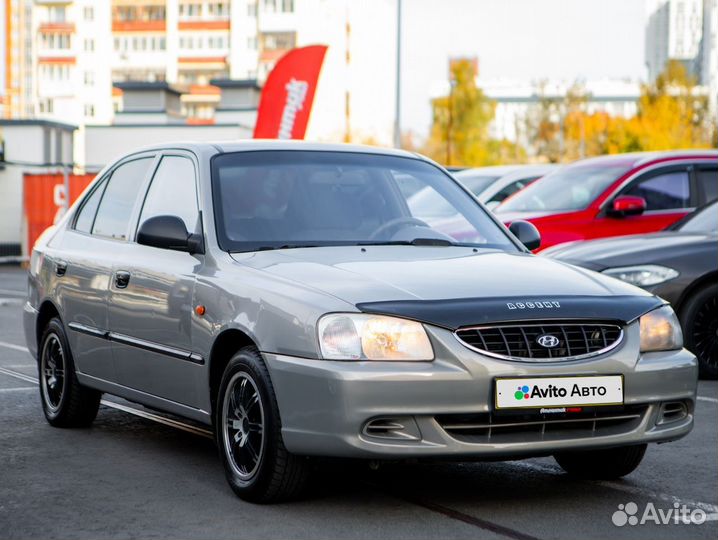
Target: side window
[(173, 192), (708, 184), (113, 215), (86, 215), (663, 191)]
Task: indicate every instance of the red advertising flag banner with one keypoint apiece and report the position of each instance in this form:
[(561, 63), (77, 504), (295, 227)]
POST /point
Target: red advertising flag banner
[(288, 94)]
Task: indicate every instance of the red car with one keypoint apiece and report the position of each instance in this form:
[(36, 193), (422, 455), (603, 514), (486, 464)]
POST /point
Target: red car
[(615, 195)]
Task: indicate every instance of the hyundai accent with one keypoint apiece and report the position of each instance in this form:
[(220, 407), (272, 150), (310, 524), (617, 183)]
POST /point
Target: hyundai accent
[(291, 296)]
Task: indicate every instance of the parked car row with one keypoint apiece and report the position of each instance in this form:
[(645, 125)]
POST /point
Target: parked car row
[(625, 200)]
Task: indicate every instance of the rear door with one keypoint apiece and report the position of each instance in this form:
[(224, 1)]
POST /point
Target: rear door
[(151, 294), (669, 195), (83, 272)]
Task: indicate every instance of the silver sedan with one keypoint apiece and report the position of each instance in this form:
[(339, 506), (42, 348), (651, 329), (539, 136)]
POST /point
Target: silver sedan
[(295, 298)]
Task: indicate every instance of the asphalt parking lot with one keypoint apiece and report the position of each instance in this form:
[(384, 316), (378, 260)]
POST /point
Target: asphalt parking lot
[(138, 474)]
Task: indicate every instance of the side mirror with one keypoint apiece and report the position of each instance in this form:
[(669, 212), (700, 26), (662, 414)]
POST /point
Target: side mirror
[(527, 233), (169, 232), (627, 205)]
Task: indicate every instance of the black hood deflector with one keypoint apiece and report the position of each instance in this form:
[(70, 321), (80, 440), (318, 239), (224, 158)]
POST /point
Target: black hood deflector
[(458, 313)]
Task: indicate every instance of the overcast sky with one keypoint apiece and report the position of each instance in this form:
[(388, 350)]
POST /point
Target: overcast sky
[(518, 39)]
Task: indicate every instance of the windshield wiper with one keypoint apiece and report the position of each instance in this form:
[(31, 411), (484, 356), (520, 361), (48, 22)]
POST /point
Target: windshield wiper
[(414, 242), (287, 246)]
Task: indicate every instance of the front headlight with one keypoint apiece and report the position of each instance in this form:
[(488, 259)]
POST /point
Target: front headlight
[(642, 275), (660, 330), (359, 336)]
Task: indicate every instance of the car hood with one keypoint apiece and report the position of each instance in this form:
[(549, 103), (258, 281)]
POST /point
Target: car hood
[(455, 279), (626, 250)]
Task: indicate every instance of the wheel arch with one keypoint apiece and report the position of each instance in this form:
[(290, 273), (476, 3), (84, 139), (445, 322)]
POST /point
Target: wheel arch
[(225, 345), (706, 279), (47, 311)]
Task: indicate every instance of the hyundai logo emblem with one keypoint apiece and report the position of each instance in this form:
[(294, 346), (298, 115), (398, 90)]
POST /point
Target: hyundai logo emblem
[(548, 341)]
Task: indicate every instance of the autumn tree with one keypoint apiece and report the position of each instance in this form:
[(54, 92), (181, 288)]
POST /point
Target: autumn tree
[(460, 126), (673, 112)]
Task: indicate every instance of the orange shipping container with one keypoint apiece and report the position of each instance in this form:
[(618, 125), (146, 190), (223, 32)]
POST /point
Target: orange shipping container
[(43, 196)]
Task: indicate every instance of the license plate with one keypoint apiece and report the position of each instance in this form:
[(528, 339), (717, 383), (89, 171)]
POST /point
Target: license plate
[(537, 392)]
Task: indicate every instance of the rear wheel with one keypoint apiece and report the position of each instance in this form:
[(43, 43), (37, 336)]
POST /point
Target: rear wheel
[(607, 464), (65, 402), (248, 429), (699, 317)]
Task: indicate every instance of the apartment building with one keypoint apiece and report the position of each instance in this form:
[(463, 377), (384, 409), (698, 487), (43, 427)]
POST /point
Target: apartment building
[(18, 95), (73, 52)]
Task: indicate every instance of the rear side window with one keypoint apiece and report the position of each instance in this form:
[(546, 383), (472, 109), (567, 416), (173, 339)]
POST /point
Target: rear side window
[(113, 214), (173, 192), (86, 216), (664, 191), (708, 184)]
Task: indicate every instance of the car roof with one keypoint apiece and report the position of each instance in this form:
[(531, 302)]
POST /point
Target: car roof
[(636, 159), (248, 145), (494, 170)]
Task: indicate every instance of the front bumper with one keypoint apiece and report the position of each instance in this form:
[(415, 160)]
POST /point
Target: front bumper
[(325, 405)]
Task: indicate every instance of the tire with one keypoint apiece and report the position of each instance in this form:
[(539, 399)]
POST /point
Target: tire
[(248, 431), (65, 402), (607, 464), (699, 318)]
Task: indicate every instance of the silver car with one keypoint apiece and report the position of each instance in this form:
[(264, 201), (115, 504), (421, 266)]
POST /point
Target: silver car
[(288, 295)]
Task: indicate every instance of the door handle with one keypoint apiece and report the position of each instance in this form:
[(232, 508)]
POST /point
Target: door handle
[(60, 268), (122, 279)]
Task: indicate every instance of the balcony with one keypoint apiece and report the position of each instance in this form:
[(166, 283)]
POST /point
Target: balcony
[(210, 24), (57, 28), (139, 26)]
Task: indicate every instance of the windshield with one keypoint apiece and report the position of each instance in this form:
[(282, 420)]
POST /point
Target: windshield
[(702, 221), (570, 188), (288, 198)]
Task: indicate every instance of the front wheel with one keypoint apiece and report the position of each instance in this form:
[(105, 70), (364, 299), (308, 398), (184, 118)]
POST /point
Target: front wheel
[(699, 317), (248, 429), (607, 464)]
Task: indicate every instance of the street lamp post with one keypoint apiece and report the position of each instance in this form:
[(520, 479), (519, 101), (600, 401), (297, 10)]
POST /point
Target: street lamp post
[(397, 104)]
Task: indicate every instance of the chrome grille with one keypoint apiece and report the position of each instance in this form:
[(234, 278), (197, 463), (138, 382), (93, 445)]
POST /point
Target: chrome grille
[(520, 341)]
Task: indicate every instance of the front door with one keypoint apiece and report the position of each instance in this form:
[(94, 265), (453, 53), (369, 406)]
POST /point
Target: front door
[(151, 295), (668, 195)]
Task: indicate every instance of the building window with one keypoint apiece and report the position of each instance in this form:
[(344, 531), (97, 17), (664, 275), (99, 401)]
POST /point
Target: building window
[(252, 9), (45, 106), (56, 14), (190, 10), (89, 78), (89, 45), (88, 13), (288, 6), (252, 43), (89, 110), (154, 13), (278, 40), (270, 5), (218, 9), (56, 41)]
